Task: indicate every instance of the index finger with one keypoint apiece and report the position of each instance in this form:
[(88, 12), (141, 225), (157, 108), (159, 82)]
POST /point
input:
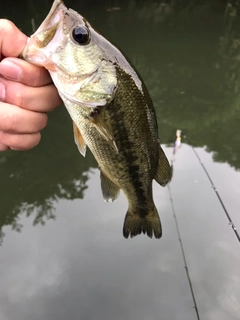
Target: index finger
[(8, 32), (22, 71)]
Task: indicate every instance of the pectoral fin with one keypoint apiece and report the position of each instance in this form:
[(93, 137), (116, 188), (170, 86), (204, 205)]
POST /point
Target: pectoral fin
[(103, 129), (78, 138), (164, 170), (109, 189)]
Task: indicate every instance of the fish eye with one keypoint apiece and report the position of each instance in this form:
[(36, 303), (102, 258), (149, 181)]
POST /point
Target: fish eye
[(81, 35)]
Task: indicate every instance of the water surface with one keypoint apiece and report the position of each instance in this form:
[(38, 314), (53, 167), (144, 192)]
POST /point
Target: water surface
[(62, 252)]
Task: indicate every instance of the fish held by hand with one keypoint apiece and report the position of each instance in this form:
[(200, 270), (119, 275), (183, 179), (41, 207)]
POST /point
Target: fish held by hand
[(111, 109)]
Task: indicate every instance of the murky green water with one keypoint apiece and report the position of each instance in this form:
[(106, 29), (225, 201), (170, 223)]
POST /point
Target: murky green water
[(62, 254)]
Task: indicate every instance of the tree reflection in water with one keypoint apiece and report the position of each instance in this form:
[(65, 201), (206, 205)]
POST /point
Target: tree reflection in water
[(188, 54), (34, 181)]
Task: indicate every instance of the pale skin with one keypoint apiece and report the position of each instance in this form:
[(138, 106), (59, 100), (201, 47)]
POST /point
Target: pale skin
[(26, 93)]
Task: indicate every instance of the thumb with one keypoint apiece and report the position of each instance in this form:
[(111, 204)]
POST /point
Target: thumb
[(12, 40)]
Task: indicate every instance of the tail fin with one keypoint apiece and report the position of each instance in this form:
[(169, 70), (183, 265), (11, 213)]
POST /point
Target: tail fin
[(135, 224)]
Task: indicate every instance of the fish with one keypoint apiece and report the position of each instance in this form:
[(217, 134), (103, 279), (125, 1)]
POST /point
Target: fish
[(111, 109)]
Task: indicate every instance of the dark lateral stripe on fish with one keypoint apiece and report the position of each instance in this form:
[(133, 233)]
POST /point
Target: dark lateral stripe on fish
[(125, 147)]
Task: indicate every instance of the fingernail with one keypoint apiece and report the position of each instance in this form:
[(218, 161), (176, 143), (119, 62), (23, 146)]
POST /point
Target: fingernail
[(2, 91), (10, 70)]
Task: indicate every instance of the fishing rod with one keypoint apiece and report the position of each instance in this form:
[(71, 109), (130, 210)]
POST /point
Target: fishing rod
[(183, 253), (176, 147), (218, 195)]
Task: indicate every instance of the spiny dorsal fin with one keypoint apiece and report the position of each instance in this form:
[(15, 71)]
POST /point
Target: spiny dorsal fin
[(164, 170), (78, 138), (109, 189)]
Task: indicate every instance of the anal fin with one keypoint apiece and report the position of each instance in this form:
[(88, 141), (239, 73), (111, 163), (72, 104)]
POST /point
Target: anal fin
[(109, 189), (164, 170), (78, 138)]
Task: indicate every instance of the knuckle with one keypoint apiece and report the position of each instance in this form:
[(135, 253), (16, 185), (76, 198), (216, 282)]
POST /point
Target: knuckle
[(3, 147), (9, 122), (37, 139), (43, 122), (32, 75), (24, 141), (18, 99), (30, 141), (38, 78), (6, 24)]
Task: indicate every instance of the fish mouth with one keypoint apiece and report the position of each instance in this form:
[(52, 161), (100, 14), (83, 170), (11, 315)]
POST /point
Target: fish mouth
[(40, 44)]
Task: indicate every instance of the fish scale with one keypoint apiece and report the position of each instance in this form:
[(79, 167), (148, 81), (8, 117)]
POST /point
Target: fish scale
[(111, 109)]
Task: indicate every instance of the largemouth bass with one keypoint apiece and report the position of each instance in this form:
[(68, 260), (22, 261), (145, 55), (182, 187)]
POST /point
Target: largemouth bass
[(111, 110)]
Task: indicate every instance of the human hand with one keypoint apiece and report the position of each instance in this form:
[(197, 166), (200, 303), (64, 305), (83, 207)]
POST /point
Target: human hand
[(26, 93)]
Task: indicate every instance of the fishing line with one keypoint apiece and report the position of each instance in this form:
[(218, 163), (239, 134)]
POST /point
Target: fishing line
[(218, 195), (183, 253), (175, 149)]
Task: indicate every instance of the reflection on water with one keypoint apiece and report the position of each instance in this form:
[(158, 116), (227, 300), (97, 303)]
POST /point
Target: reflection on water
[(192, 78), (80, 266), (31, 182), (188, 55)]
